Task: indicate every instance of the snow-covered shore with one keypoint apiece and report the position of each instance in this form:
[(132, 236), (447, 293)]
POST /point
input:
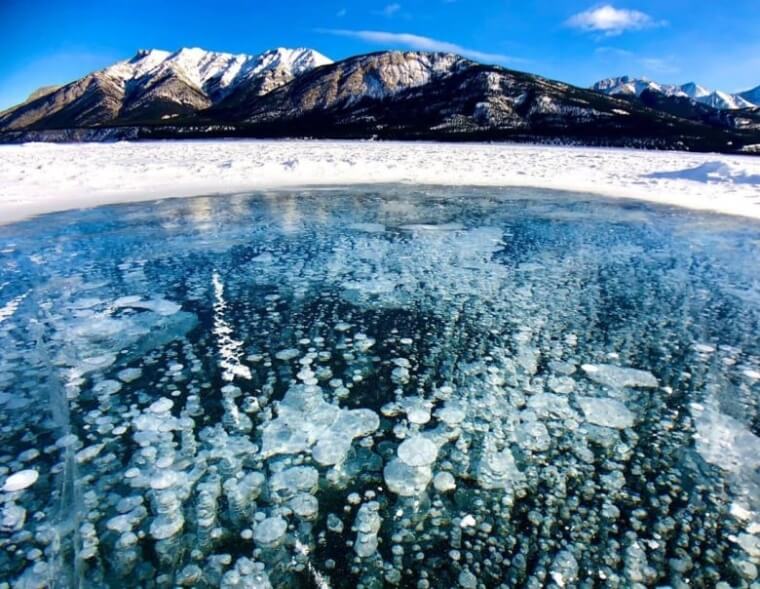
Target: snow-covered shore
[(40, 178)]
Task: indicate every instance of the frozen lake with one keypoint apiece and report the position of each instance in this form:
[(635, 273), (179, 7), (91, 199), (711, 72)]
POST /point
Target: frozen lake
[(380, 386)]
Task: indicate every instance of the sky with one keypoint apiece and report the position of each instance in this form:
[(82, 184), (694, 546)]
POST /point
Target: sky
[(45, 42)]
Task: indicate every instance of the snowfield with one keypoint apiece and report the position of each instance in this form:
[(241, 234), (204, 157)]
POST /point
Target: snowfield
[(43, 177)]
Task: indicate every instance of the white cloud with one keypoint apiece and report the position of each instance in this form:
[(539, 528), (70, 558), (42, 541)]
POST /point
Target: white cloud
[(611, 21), (341, 13), (390, 10), (421, 43)]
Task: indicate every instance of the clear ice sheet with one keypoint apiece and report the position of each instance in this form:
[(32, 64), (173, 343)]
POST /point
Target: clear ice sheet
[(380, 386)]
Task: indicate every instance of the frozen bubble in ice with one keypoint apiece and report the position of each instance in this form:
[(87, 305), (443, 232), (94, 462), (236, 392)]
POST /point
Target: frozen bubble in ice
[(270, 531), (287, 355), (357, 422), (304, 506), (167, 525), (96, 363), (561, 384), (444, 482), (29, 455), (12, 517), (533, 435), (468, 521), (418, 451), (417, 409), (107, 387), (617, 377), (334, 523), (290, 481), (467, 580), (564, 569), (452, 414), (726, 442), (497, 469), (20, 480), (563, 368), (400, 375), (88, 453), (549, 405), (751, 374), (163, 405), (367, 525), (331, 450), (405, 480), (606, 412), (163, 480), (158, 306)]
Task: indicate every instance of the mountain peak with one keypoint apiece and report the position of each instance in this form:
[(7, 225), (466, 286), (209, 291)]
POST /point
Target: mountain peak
[(149, 54), (626, 85)]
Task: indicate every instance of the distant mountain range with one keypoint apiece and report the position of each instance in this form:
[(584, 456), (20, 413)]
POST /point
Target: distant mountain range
[(386, 95), (626, 85)]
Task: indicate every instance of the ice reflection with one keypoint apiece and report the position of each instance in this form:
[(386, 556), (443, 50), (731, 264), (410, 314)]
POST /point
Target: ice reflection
[(374, 387)]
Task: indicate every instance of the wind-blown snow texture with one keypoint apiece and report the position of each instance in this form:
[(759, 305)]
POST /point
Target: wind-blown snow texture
[(39, 178)]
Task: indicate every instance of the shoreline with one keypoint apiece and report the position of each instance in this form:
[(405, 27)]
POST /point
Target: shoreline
[(39, 178)]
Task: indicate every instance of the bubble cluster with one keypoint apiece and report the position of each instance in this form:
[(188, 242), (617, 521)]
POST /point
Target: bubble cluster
[(396, 387)]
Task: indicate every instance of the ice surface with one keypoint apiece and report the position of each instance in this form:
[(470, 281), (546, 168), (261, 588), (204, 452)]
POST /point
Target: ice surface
[(268, 390)]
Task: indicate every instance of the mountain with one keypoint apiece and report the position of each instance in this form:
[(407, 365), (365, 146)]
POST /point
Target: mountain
[(418, 95), (626, 85), (38, 93), (386, 95), (158, 85), (752, 95), (686, 108)]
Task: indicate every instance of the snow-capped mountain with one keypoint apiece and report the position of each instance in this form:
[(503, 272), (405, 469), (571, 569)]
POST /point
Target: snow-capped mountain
[(160, 85), (726, 101), (389, 94), (375, 76), (625, 85), (419, 95)]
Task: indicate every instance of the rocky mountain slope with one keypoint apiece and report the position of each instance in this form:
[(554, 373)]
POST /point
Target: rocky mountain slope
[(393, 95), (157, 85), (443, 96)]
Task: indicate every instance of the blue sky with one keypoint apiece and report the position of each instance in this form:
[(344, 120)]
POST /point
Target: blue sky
[(56, 41)]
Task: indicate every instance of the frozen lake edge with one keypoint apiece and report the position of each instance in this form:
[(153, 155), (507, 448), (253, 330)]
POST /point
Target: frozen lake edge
[(39, 178)]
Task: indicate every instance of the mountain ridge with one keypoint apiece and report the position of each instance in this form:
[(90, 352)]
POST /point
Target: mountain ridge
[(627, 85), (159, 85), (385, 94)]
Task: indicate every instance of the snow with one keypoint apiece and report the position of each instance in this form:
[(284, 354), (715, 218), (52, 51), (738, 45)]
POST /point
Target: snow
[(43, 177), (626, 85), (202, 68)]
